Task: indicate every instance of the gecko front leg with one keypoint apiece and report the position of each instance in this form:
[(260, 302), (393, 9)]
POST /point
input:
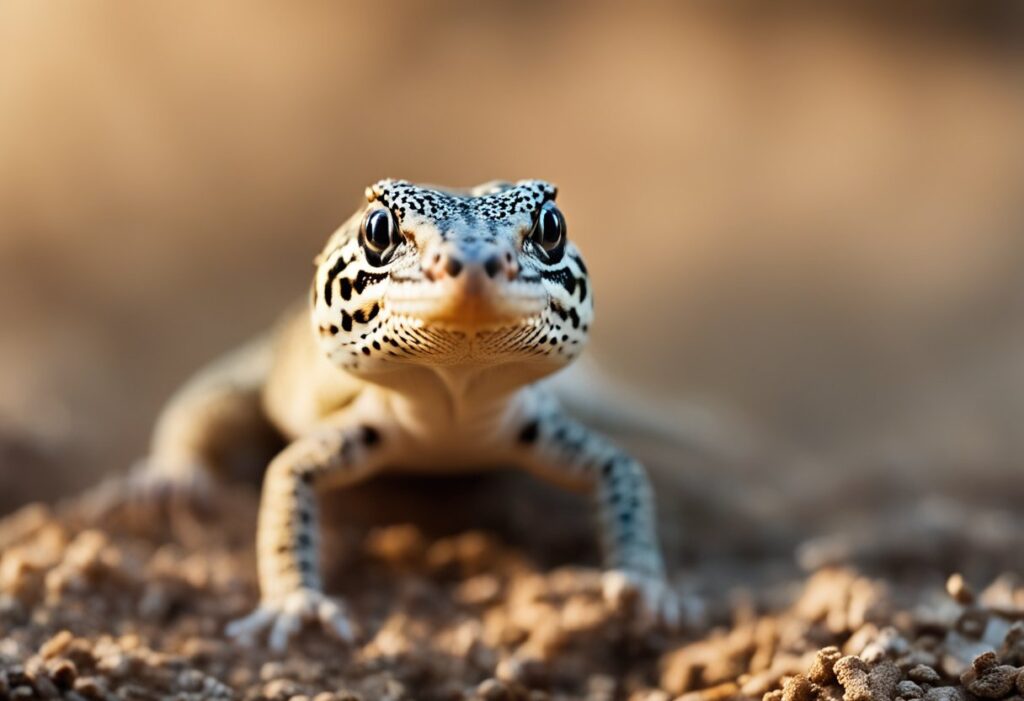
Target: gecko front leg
[(287, 540), (563, 451)]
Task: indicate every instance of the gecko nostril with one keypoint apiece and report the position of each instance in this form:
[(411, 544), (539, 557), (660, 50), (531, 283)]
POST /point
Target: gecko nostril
[(453, 267), (493, 266)]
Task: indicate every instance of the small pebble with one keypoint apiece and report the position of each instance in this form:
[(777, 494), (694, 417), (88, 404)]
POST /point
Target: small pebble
[(923, 674), (56, 645), (90, 688), (944, 693), (909, 690), (959, 589), (62, 671), (493, 690), (280, 689)]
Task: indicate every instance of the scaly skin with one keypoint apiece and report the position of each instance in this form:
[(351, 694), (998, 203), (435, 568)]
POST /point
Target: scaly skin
[(432, 319)]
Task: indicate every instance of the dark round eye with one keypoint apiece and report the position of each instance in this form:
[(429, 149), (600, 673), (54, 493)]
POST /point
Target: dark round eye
[(379, 235), (549, 231)]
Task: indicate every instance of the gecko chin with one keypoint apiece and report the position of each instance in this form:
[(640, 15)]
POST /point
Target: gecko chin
[(431, 339)]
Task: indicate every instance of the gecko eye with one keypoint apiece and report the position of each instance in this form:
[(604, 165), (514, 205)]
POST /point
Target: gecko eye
[(379, 235), (549, 231)]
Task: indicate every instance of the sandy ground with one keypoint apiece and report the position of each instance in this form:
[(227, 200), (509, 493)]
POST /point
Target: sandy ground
[(130, 607)]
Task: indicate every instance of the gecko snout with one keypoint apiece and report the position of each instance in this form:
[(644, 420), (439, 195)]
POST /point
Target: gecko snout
[(492, 262)]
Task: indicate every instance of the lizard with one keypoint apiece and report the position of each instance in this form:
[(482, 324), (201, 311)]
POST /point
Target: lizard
[(434, 320)]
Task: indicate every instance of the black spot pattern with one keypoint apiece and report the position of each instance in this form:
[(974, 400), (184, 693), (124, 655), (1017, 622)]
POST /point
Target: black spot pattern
[(404, 198), (529, 432), (362, 316), (563, 276), (370, 436), (339, 265), (364, 278)]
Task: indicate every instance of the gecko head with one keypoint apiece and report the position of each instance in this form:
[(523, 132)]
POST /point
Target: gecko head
[(426, 276)]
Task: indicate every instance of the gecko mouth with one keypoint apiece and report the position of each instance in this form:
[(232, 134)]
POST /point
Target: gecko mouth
[(467, 304)]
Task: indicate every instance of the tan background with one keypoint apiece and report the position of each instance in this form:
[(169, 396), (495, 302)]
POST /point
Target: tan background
[(809, 221)]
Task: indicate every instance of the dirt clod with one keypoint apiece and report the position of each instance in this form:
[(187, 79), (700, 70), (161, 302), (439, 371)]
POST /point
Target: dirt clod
[(924, 674), (883, 679), (989, 679), (822, 672), (959, 589), (798, 688), (852, 674), (908, 689)]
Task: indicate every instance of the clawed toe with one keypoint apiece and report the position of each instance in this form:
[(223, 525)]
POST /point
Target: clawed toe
[(189, 486), (150, 488), (245, 630), (650, 597), (282, 620)]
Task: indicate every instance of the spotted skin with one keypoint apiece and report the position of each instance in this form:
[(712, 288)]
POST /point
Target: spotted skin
[(356, 327), (433, 318)]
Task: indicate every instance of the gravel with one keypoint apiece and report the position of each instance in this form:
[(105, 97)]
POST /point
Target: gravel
[(134, 608)]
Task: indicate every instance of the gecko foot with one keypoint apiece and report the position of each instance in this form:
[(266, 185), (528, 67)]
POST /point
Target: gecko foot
[(650, 596), (151, 488), (150, 481), (284, 618)]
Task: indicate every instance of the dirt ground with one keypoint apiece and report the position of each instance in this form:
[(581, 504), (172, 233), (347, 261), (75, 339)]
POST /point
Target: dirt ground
[(119, 606)]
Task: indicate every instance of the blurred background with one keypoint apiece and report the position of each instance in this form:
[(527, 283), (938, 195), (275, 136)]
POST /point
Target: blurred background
[(808, 220)]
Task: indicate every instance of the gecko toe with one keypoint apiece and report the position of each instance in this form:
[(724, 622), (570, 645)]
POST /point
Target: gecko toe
[(284, 628), (647, 597), (152, 488), (283, 619), (245, 630), (336, 620)]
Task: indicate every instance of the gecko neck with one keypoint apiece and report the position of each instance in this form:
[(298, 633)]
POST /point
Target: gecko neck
[(447, 397)]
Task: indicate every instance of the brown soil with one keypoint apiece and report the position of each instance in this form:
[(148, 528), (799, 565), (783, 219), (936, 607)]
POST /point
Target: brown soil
[(123, 608)]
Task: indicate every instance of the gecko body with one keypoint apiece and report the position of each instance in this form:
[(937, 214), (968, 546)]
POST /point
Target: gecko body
[(433, 318)]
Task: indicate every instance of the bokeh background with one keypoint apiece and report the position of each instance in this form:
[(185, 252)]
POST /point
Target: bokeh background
[(805, 219)]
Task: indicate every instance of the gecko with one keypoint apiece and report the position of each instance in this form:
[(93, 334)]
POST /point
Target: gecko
[(434, 320)]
